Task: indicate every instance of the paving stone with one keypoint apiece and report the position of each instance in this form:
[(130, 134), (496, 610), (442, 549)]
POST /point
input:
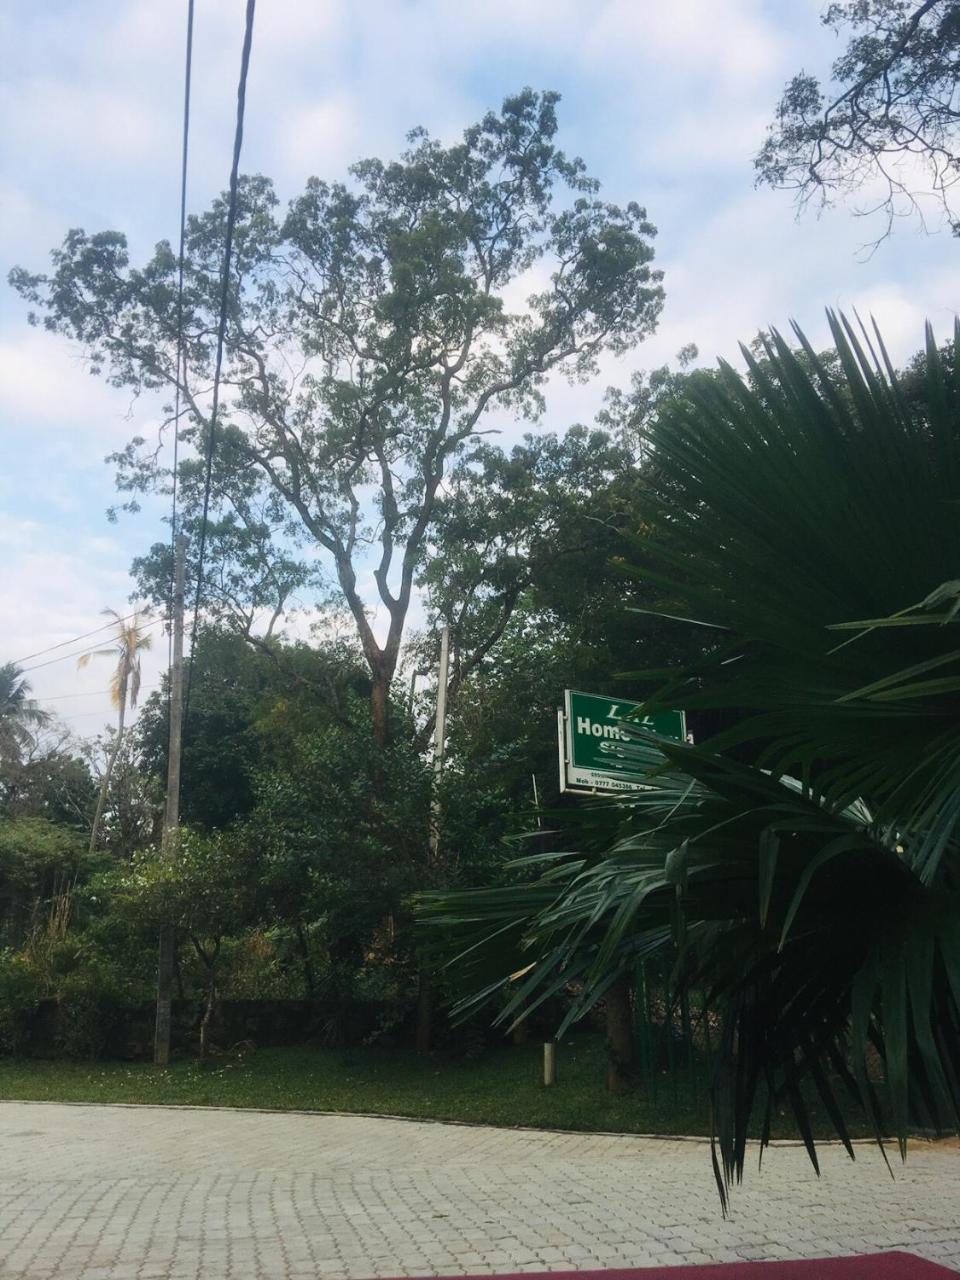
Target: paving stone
[(112, 1193)]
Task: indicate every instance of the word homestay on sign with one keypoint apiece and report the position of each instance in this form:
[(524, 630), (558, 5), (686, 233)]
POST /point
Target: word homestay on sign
[(591, 738)]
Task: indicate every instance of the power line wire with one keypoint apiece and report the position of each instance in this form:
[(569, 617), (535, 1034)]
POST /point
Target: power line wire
[(221, 332), (181, 345), (84, 715), (74, 639), (87, 693), (82, 653)]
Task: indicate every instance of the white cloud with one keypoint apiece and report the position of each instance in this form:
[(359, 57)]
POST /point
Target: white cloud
[(44, 381), (732, 42), (321, 139), (118, 127), (26, 221)]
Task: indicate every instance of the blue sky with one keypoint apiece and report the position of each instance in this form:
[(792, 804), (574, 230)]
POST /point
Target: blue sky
[(666, 102)]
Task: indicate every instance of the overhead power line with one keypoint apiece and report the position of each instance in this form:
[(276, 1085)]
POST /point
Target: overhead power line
[(87, 693), (73, 640), (85, 715), (81, 653), (181, 345), (221, 331)]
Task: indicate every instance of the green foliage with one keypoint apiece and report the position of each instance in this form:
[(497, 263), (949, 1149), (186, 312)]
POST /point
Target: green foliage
[(528, 520), (37, 859), (92, 1003), (208, 889), (890, 110), (793, 511), (20, 716), (20, 990), (805, 863), (248, 708), (392, 298), (527, 558), (50, 783), (341, 841)]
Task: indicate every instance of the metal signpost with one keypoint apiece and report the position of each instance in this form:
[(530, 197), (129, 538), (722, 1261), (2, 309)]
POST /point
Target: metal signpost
[(592, 737)]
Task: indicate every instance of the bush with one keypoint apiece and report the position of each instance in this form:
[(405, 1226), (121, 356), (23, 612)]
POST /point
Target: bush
[(20, 993), (92, 1009)]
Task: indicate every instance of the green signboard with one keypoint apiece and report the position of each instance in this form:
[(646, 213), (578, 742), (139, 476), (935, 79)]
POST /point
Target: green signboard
[(592, 737)]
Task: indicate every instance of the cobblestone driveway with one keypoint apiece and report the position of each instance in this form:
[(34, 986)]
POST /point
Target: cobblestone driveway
[(92, 1193)]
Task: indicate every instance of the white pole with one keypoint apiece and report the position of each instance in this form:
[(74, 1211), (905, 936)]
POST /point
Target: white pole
[(425, 996), (440, 729), (171, 815), (413, 690), (439, 737), (562, 743)]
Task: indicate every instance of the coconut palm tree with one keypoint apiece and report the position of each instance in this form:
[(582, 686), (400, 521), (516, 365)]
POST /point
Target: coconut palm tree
[(19, 714), (129, 643), (804, 865)]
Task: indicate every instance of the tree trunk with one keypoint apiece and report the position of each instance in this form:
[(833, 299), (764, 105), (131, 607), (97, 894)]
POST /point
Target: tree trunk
[(207, 1020), (619, 1014), (308, 977), (105, 784), (209, 961), (424, 1010), (380, 708)]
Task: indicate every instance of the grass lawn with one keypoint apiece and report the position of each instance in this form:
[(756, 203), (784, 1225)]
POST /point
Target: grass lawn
[(502, 1087)]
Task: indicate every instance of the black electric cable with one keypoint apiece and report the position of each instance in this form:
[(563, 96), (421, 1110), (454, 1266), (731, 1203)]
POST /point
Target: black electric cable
[(181, 345), (221, 335), (85, 635), (82, 653)]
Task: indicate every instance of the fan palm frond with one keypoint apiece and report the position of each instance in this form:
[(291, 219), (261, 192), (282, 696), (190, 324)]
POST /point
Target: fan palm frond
[(804, 865)]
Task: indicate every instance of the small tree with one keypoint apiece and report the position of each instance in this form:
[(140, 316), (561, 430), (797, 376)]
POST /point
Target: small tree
[(208, 892), (124, 690)]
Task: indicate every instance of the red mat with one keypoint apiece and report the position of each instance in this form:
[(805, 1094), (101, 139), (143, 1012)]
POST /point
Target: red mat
[(874, 1266)]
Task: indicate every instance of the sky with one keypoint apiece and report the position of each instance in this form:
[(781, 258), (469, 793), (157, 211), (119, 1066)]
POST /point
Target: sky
[(667, 103)]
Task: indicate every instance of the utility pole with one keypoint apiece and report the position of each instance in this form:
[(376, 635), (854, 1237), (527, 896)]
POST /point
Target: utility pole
[(425, 993), (171, 815), (413, 689), (439, 740)]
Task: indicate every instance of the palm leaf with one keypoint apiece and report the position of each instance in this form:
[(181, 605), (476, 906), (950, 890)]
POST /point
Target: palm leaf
[(806, 867)]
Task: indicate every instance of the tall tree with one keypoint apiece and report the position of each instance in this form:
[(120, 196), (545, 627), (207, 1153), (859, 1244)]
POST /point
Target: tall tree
[(20, 715), (372, 331), (129, 644), (891, 116)]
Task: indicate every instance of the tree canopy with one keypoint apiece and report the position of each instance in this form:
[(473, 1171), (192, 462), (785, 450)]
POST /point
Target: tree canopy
[(888, 123), (374, 328)]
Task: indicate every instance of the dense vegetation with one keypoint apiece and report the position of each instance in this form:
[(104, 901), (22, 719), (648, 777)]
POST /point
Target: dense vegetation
[(305, 840), (775, 552), (804, 863)]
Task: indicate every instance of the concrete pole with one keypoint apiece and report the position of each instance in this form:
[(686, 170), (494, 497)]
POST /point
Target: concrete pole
[(425, 991), (439, 740), (171, 815)]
